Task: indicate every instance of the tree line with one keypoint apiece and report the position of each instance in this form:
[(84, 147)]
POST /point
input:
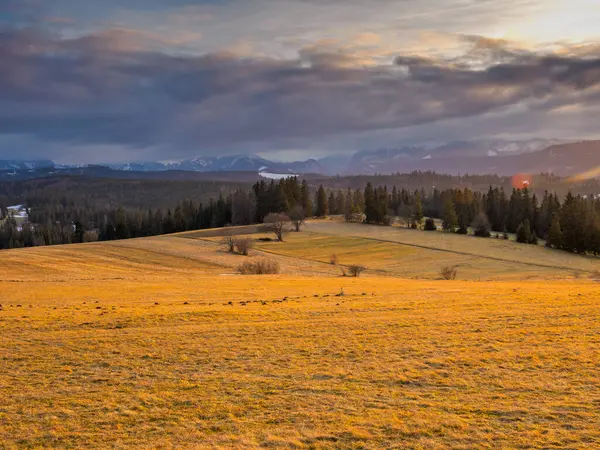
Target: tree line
[(572, 225)]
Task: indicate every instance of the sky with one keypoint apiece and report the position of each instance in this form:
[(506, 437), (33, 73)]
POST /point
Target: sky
[(84, 81)]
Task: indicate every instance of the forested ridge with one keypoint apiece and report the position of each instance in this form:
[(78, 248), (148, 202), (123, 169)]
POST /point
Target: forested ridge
[(72, 210)]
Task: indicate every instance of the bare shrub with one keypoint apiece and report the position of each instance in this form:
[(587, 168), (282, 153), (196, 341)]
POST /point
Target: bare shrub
[(343, 270), (355, 218), (244, 245), (297, 217), (259, 267), (355, 270), (333, 259), (228, 241), (275, 222), (449, 272)]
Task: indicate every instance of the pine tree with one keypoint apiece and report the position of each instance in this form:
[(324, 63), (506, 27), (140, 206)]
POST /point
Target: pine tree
[(306, 200), (515, 213), (450, 220), (594, 238), (349, 208), (418, 210), (370, 204), (340, 202), (555, 233), (571, 224), (79, 232), (525, 234), (332, 204), (322, 209), (381, 204)]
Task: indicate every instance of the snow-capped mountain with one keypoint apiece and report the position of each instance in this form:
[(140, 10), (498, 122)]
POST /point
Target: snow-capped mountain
[(7, 165), (452, 157), (478, 157), (481, 158), (225, 164)]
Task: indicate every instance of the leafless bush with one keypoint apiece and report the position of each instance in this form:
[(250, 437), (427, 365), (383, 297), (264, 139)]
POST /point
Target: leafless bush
[(297, 217), (449, 272), (355, 270), (260, 267), (228, 241), (333, 259), (244, 245), (355, 217), (275, 222)]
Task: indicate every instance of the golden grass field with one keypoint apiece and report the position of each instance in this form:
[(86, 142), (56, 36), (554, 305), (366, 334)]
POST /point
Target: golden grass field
[(158, 343)]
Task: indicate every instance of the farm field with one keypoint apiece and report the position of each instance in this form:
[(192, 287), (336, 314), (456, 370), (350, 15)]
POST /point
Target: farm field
[(159, 343)]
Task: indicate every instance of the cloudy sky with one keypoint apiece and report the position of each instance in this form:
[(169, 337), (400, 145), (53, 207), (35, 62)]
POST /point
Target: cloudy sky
[(138, 80)]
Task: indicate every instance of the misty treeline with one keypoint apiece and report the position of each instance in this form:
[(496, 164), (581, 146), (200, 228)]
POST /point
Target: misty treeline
[(572, 224)]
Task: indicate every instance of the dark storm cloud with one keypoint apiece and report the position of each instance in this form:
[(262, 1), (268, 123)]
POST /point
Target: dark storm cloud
[(109, 89)]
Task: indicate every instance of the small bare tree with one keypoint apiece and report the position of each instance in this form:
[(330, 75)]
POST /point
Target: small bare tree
[(276, 222), (355, 270), (244, 245), (297, 217), (333, 259), (228, 241), (449, 272)]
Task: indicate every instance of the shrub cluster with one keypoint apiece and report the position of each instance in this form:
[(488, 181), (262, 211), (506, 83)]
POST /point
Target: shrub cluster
[(259, 267), (241, 245)]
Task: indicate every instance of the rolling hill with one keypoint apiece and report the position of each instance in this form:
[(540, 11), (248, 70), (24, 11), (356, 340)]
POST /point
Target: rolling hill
[(158, 342)]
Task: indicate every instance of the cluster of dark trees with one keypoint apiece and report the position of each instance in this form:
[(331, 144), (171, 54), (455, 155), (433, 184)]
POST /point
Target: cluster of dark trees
[(572, 225), (90, 224)]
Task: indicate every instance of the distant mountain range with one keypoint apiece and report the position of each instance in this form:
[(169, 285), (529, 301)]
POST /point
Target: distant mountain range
[(8, 165), (225, 164), (563, 159), (499, 157)]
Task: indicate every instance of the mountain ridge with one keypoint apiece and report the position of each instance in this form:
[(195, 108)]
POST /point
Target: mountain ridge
[(460, 157)]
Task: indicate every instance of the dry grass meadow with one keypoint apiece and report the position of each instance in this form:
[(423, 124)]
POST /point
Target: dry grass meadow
[(159, 343)]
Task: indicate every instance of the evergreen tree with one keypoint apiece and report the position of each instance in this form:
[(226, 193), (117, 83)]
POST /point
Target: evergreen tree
[(370, 204), (332, 204), (79, 233), (381, 205), (306, 200), (418, 210), (525, 234), (450, 220), (555, 233), (515, 212), (340, 202), (322, 209), (594, 238), (571, 224)]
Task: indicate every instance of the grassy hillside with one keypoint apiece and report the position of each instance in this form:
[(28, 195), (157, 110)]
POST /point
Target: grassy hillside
[(158, 343)]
